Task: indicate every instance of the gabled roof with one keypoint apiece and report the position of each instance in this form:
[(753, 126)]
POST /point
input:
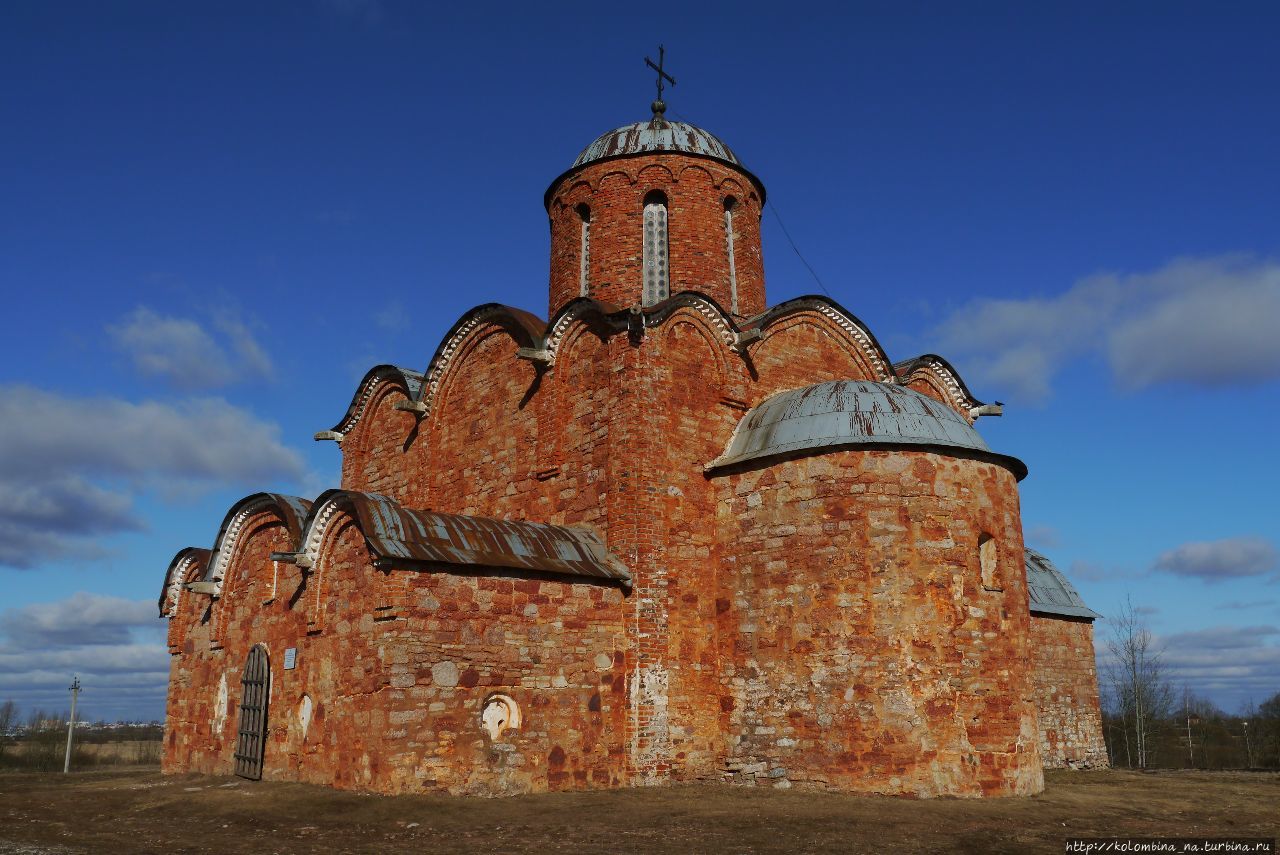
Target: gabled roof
[(1050, 592)]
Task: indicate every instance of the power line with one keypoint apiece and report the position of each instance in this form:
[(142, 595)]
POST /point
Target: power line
[(783, 226), (799, 255)]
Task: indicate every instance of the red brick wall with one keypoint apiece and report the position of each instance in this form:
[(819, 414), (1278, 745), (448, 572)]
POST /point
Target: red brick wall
[(860, 649), (1066, 681), (817, 621), (371, 451), (396, 702), (696, 189), (804, 349)]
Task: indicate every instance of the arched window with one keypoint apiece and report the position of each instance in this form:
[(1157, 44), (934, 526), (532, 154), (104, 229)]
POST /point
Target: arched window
[(988, 559), (729, 204), (584, 251), (656, 284)]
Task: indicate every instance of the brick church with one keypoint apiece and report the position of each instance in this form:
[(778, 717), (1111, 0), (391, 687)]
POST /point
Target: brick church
[(670, 534)]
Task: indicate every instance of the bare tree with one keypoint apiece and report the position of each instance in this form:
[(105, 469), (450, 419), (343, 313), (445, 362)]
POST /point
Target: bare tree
[(1142, 694), (8, 718)]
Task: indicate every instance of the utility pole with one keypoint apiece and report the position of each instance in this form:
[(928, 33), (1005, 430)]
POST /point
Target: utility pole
[(1191, 751), (1248, 749), (71, 725)]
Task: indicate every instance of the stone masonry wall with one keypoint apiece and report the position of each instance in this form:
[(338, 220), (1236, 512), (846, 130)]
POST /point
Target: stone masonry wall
[(1066, 682), (860, 650), (393, 671)]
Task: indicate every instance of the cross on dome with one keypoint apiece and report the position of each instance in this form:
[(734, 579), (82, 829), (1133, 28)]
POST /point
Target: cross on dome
[(659, 106)]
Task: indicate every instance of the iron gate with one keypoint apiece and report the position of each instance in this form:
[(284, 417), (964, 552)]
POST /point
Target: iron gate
[(255, 686)]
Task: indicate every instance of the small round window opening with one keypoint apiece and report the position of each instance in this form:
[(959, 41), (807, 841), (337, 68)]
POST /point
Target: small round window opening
[(500, 714)]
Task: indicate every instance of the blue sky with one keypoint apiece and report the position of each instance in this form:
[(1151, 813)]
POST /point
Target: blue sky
[(217, 216)]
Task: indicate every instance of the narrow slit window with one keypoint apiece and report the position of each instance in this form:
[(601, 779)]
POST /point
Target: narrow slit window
[(988, 559), (729, 204), (584, 252), (656, 282)]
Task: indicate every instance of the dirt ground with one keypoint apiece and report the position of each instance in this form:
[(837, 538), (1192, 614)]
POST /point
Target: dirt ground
[(140, 811)]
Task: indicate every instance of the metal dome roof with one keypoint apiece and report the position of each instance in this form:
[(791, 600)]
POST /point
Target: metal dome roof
[(656, 135), (842, 413)]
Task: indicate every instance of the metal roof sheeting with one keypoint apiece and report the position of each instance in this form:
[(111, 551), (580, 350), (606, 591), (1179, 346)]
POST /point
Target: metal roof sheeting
[(843, 413), (395, 533), (659, 135), (1050, 592)]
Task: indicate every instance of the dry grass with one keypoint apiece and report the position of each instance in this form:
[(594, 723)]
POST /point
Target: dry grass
[(141, 811)]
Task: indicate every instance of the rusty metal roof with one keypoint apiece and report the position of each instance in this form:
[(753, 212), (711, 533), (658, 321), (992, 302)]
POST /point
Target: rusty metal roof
[(1050, 592), (399, 534), (854, 413), (656, 135)]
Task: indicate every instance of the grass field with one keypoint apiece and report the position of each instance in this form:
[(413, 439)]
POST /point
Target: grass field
[(139, 810)]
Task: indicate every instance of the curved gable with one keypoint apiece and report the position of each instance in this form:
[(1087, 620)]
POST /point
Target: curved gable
[(826, 313), (291, 510), (189, 564), (939, 375)]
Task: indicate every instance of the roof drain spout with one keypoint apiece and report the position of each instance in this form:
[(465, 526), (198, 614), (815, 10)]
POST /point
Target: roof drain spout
[(635, 324), (996, 409)]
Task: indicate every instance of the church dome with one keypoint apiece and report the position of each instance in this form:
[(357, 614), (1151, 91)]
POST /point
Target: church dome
[(854, 413), (656, 135)]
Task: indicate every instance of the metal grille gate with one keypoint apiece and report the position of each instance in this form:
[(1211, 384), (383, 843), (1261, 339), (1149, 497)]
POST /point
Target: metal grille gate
[(255, 686)]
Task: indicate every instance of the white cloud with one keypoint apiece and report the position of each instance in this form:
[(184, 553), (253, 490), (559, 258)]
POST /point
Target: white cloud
[(50, 518), (1236, 661), (115, 645), (70, 467), (1207, 322), (1045, 536), (187, 356), (1217, 560), (1230, 664), (81, 619), (1234, 605)]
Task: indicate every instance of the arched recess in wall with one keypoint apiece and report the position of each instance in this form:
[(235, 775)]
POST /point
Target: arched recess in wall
[(525, 329), (989, 562), (341, 570), (479, 440), (326, 531), (832, 344), (584, 249), (689, 344), (245, 520), (655, 262), (381, 437), (804, 349), (581, 396), (730, 203)]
